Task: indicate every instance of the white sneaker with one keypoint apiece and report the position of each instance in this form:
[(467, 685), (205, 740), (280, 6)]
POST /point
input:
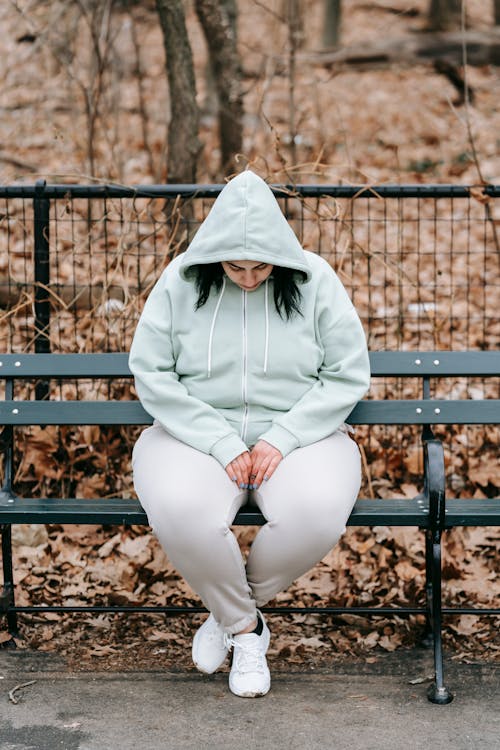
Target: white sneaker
[(249, 676), (210, 646)]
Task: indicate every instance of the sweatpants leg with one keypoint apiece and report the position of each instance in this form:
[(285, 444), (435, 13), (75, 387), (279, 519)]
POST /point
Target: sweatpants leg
[(190, 503), (306, 502)]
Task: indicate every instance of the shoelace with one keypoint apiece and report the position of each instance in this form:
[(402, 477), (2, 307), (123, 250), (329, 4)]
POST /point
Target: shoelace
[(248, 656)]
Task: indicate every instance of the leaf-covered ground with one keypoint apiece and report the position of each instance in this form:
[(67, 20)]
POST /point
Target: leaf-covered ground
[(110, 566)]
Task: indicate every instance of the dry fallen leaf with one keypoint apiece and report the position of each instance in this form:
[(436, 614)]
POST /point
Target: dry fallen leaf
[(406, 571), (98, 650), (467, 625), (390, 644), (31, 535), (160, 635)]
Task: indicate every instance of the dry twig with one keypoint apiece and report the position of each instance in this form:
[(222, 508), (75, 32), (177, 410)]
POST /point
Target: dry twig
[(14, 690)]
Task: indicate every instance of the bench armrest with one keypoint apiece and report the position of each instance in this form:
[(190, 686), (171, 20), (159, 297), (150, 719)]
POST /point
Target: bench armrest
[(434, 483)]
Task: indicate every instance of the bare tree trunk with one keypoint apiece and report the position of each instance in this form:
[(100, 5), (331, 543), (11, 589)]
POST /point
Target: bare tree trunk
[(211, 101), (496, 9), (295, 39), (183, 144), (218, 20), (444, 15), (155, 170), (331, 25)]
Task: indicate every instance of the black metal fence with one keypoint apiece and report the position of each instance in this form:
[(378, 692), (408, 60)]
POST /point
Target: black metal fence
[(421, 264)]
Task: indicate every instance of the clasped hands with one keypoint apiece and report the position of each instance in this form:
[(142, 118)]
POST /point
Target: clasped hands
[(251, 468)]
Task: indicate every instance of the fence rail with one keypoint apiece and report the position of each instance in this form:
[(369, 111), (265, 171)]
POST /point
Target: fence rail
[(213, 190)]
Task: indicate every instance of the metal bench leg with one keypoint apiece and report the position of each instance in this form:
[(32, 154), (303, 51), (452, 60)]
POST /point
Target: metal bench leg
[(7, 593), (437, 692), (428, 638)]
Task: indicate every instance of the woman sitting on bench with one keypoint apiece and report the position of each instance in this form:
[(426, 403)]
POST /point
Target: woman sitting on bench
[(249, 356)]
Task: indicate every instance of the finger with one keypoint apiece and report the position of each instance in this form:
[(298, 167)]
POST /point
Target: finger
[(255, 463), (261, 472), (247, 460), (234, 473), (231, 472), (243, 472), (246, 467), (237, 471), (271, 467), (265, 462), (260, 464)]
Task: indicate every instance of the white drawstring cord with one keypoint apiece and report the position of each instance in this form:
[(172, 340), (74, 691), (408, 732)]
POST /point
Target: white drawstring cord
[(266, 350), (212, 327)]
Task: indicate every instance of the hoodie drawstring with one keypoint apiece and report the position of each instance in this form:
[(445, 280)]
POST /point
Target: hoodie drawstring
[(266, 348), (212, 328)]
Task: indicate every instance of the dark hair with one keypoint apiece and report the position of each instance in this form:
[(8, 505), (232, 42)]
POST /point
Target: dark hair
[(287, 295)]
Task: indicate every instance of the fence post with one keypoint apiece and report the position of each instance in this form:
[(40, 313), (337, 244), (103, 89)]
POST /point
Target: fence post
[(41, 206)]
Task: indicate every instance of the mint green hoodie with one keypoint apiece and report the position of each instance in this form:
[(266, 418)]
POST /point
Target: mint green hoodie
[(232, 372)]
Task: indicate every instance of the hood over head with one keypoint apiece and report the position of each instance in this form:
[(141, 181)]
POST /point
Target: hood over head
[(246, 223)]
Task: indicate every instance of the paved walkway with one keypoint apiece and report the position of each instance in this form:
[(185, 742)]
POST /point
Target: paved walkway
[(352, 707)]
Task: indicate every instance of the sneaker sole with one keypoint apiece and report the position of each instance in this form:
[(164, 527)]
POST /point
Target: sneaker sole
[(252, 695), (208, 671)]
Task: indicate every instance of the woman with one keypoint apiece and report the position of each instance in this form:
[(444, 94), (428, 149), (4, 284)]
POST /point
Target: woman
[(249, 355)]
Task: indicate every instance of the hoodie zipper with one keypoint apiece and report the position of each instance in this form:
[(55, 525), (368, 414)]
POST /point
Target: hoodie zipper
[(244, 424)]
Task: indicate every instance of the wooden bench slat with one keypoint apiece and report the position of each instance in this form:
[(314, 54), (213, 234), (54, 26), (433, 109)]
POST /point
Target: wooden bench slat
[(383, 363), (366, 412)]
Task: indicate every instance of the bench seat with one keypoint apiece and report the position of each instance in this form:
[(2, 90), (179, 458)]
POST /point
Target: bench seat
[(383, 512)]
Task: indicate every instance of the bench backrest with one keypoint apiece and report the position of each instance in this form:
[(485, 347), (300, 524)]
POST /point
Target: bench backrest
[(422, 365)]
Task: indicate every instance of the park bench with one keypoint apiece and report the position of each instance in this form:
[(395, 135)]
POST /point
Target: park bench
[(430, 511)]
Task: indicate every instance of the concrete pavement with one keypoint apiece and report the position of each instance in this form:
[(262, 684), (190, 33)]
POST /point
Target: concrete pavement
[(350, 706)]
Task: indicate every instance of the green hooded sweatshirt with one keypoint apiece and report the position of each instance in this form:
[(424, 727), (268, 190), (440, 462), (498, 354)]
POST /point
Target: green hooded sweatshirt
[(234, 371)]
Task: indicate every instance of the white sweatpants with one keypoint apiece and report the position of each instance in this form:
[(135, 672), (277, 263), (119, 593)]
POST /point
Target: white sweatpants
[(191, 502)]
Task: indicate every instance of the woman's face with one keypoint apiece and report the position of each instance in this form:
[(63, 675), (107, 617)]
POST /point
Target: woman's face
[(247, 274)]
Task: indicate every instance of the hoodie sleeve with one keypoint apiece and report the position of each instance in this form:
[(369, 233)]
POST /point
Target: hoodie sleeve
[(164, 397), (343, 378)]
